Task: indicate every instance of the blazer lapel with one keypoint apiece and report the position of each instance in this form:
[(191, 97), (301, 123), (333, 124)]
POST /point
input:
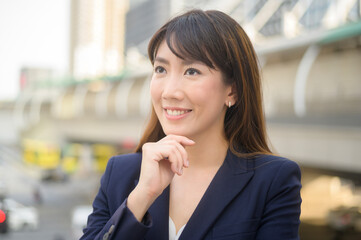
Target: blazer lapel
[(160, 215), (231, 178)]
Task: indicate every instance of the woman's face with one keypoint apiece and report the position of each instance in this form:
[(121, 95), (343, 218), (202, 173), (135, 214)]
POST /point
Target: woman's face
[(189, 98)]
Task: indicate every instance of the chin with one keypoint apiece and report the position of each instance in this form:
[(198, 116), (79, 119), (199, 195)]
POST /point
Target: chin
[(178, 132)]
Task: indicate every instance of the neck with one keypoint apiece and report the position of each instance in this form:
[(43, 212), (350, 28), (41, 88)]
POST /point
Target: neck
[(209, 151)]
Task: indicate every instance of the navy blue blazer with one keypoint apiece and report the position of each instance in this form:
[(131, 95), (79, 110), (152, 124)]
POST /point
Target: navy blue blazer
[(255, 198)]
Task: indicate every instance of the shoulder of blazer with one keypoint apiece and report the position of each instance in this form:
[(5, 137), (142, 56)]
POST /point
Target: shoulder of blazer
[(271, 161), (130, 159), (125, 166), (262, 162)]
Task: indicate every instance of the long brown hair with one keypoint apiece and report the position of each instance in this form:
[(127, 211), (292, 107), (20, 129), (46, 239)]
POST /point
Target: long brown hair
[(218, 41)]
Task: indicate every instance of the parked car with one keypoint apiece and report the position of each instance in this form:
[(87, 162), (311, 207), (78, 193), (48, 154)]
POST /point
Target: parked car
[(344, 218), (4, 221), (54, 175), (79, 219), (4, 228), (21, 217)]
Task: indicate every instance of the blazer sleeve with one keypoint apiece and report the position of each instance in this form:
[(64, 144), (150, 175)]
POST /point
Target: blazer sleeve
[(281, 217), (122, 223)]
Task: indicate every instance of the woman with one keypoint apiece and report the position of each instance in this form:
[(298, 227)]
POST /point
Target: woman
[(203, 169)]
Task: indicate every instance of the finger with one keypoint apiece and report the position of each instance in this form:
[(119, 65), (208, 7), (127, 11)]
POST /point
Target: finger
[(174, 166), (171, 154), (183, 141), (182, 151), (175, 157)]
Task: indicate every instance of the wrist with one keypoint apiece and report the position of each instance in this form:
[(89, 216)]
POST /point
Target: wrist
[(139, 202)]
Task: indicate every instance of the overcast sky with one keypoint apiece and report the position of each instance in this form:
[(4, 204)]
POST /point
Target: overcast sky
[(33, 33)]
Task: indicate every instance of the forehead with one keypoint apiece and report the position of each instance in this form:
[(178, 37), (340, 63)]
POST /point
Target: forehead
[(175, 49), (163, 49), (164, 54)]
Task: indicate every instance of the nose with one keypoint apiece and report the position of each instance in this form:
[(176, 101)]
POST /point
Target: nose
[(173, 88)]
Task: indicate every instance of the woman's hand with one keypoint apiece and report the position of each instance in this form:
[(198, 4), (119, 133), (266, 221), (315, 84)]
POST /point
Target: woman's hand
[(161, 160)]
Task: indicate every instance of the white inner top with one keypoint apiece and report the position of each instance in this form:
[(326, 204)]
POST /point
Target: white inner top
[(173, 235)]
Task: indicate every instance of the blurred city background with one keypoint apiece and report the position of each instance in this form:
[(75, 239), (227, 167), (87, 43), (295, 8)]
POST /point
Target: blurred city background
[(74, 79)]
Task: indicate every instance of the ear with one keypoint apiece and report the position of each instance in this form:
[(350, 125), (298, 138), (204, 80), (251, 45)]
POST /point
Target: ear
[(231, 95)]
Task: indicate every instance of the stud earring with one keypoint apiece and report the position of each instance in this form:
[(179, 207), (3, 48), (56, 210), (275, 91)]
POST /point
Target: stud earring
[(229, 104)]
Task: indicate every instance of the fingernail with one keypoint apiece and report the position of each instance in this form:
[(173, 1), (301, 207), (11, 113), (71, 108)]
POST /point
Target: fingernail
[(187, 163), (180, 171)]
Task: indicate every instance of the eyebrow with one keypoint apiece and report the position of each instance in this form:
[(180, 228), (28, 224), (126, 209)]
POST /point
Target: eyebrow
[(161, 60), (184, 62)]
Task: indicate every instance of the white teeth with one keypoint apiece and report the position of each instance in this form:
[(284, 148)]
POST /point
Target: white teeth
[(175, 112)]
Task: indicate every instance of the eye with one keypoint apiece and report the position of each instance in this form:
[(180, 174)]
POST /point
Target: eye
[(192, 72), (159, 69)]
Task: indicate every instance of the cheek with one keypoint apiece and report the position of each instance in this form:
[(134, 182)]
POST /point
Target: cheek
[(155, 91), (209, 93)]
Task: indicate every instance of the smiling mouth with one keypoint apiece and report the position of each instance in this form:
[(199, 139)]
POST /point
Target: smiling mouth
[(176, 112)]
